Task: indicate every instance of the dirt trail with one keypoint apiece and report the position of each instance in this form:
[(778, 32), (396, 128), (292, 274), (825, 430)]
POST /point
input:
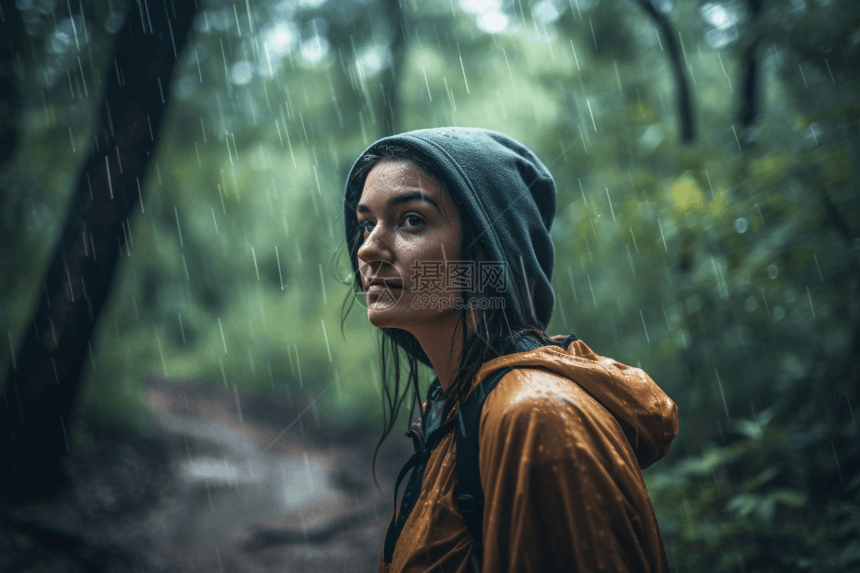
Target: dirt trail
[(217, 485)]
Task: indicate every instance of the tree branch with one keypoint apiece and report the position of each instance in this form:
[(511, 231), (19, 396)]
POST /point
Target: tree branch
[(684, 97), (750, 96)]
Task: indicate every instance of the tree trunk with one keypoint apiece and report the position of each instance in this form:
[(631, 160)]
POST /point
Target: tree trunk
[(686, 121), (46, 374), (13, 34)]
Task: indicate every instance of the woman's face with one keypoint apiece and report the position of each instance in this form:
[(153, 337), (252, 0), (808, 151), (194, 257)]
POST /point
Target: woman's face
[(411, 230)]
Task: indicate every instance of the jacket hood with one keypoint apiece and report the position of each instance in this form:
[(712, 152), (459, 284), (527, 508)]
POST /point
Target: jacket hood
[(647, 416), (504, 190)]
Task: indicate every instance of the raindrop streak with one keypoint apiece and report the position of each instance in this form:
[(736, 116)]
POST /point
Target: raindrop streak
[(181, 328), (802, 75), (83, 79), (713, 195), (462, 67), (325, 335), (66, 439), (428, 83), (766, 307), (223, 340), (110, 185), (642, 316), (720, 384), (809, 295), (839, 469), (214, 220), (814, 256), (280, 274), (322, 281), (728, 79), (662, 236), (256, 268), (610, 204), (230, 153), (593, 298), (829, 71), (172, 40), (592, 115), (590, 23), (667, 316), (738, 141), (575, 59), (250, 23), (178, 228)]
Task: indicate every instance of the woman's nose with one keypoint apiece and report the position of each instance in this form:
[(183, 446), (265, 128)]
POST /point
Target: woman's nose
[(375, 246)]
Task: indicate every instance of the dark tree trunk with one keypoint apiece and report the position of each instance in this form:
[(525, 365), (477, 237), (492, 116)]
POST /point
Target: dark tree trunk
[(12, 36), (750, 101), (46, 374), (684, 97)]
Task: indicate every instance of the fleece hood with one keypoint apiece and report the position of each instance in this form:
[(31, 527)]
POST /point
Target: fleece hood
[(646, 415), (506, 192)]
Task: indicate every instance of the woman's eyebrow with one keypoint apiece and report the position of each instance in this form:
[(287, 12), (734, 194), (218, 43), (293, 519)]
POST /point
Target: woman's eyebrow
[(403, 198)]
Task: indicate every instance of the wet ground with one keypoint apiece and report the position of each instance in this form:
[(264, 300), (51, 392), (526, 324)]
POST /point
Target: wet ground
[(220, 482)]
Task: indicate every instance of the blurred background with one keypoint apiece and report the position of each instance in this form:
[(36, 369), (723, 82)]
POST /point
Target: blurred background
[(707, 228)]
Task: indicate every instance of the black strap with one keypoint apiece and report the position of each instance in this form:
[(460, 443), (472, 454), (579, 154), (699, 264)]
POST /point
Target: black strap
[(417, 463), (467, 489), (468, 492)]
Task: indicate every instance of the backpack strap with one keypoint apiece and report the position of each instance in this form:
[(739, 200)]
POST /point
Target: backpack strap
[(467, 489), (417, 463), (468, 493)]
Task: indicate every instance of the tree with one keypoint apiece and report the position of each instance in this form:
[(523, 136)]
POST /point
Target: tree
[(45, 376)]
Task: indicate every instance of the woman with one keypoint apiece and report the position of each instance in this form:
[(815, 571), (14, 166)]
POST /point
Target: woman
[(448, 235)]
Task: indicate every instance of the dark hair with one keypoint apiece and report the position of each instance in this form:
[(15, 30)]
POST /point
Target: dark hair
[(497, 329)]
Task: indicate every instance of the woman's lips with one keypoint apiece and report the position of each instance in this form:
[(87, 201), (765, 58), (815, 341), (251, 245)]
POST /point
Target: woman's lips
[(380, 288)]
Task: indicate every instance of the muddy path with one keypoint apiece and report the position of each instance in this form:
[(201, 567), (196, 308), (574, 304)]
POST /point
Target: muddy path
[(218, 482)]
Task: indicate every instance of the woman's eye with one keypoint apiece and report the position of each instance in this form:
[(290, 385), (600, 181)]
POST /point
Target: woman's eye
[(363, 227), (418, 221)]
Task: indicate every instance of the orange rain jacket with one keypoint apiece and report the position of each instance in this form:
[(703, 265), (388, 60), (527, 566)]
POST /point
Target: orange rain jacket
[(562, 440)]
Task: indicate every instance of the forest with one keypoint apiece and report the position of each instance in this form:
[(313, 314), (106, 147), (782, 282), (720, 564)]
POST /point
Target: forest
[(185, 163)]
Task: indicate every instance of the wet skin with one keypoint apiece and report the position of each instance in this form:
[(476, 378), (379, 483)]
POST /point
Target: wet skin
[(407, 219)]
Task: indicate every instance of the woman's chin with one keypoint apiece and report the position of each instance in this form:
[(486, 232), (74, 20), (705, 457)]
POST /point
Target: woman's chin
[(382, 316)]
